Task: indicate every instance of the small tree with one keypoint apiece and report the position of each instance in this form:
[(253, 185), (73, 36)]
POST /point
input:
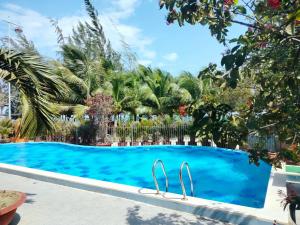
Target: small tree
[(218, 123)]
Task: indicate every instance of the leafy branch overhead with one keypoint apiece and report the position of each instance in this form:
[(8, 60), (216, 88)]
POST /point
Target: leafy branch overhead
[(271, 24), (267, 51)]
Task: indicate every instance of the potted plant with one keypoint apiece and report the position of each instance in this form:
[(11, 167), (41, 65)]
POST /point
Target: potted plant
[(186, 139), (173, 140), (139, 141), (115, 140), (291, 158), (9, 202), (6, 128), (150, 139), (292, 201), (161, 140), (128, 140)]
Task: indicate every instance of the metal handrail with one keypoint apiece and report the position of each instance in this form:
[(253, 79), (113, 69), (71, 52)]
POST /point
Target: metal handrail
[(181, 181), (154, 176)]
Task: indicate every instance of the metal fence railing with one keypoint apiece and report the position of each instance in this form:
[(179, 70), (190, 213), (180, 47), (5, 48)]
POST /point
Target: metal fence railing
[(270, 143), (149, 134), (137, 134)]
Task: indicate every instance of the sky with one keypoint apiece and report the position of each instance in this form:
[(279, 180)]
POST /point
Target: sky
[(139, 23)]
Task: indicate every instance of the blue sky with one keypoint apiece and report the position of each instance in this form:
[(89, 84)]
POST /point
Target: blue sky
[(139, 23)]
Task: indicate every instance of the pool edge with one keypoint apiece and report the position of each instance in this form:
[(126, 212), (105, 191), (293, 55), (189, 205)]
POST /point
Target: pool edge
[(215, 210)]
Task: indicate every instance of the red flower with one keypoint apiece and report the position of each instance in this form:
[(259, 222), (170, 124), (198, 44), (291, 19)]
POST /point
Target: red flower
[(182, 110), (228, 2), (250, 29), (268, 26), (275, 4), (263, 44), (293, 147)]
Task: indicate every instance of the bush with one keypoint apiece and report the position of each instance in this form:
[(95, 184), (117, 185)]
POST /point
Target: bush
[(6, 128)]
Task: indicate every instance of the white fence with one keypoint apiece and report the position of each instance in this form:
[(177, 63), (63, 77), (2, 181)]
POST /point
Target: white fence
[(159, 134), (148, 134)]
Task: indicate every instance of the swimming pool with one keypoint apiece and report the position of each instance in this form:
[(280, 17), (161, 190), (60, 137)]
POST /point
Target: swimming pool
[(218, 174)]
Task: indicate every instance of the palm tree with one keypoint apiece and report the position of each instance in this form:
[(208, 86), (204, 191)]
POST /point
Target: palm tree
[(88, 58), (38, 88), (136, 93), (83, 75), (125, 90), (116, 88), (164, 95), (192, 84)]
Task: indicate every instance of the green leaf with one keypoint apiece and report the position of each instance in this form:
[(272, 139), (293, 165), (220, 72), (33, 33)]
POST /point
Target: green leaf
[(233, 40), (228, 61), (235, 48), (170, 4), (290, 29), (241, 9), (234, 76), (240, 59)]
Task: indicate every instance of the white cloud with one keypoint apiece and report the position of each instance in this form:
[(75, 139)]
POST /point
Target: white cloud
[(38, 28), (123, 8), (160, 65), (149, 54), (173, 56), (34, 25), (145, 62), (117, 31)]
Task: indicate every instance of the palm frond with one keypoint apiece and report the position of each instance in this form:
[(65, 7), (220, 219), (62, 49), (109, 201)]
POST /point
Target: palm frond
[(37, 85)]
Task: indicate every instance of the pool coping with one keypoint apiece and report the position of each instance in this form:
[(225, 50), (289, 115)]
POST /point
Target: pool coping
[(212, 209)]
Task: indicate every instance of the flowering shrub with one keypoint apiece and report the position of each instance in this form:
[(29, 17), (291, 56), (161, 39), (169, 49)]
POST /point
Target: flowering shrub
[(100, 108)]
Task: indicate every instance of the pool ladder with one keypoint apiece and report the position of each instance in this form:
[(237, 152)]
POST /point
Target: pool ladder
[(156, 162), (184, 164), (181, 180)]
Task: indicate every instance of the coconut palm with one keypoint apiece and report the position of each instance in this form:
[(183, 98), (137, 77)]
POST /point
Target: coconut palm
[(192, 84), (83, 75), (136, 93), (124, 89), (164, 95), (197, 87), (38, 88), (116, 88)]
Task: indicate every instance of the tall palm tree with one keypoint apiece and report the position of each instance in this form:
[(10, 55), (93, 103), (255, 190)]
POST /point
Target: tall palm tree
[(88, 58), (117, 91), (165, 95), (136, 94), (38, 88), (192, 84), (125, 90), (83, 75)]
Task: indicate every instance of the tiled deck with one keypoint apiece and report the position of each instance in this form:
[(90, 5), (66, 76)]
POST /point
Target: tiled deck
[(52, 204)]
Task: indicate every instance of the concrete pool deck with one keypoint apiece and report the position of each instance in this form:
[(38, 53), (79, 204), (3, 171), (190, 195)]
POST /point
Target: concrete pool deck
[(234, 214), (52, 204)]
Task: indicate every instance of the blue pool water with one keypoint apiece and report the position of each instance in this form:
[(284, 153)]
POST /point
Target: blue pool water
[(218, 174)]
